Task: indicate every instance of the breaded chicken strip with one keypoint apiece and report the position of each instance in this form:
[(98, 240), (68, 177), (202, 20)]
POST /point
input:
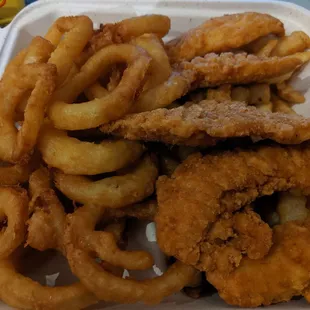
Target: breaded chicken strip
[(203, 189), (228, 68), (282, 274), (205, 123), (221, 34)]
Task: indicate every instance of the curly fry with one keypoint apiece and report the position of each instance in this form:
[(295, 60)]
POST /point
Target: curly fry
[(116, 104), (78, 247), (40, 78), (69, 35), (114, 192)]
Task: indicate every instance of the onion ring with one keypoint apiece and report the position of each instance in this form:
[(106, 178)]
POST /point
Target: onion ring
[(40, 78), (123, 32), (137, 26), (39, 51), (21, 292), (91, 114), (17, 173), (70, 35), (114, 192), (14, 211), (95, 91), (45, 231), (81, 240), (103, 242), (160, 69), (85, 158)]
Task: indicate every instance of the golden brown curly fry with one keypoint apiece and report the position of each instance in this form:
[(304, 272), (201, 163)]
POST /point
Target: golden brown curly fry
[(112, 192)]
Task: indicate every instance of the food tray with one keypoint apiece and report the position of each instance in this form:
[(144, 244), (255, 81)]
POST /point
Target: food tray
[(35, 20)]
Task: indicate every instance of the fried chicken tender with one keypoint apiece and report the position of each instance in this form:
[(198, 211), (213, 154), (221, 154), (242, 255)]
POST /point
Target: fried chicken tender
[(203, 189), (205, 123), (221, 34), (228, 68), (282, 274)]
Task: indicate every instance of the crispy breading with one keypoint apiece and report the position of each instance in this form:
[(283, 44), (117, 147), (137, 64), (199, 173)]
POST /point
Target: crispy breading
[(228, 68), (205, 123), (143, 211), (281, 275), (221, 34), (203, 189)]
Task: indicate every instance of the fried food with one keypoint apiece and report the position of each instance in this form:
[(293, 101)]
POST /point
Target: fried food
[(240, 93), (281, 275), (45, 230), (142, 211), (161, 96), (297, 42), (91, 114), (137, 26), (106, 285), (266, 51), (288, 93), (38, 78), (160, 69), (22, 292), (281, 106), (89, 192), (14, 214), (38, 51), (222, 93), (76, 157), (202, 189), (69, 35), (221, 34), (114, 192), (18, 173), (205, 123), (123, 32), (259, 94), (228, 68)]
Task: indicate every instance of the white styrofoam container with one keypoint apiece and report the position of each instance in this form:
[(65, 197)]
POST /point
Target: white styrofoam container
[(35, 20)]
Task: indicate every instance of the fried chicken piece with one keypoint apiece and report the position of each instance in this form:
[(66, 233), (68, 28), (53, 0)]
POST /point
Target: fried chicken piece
[(228, 68), (221, 34), (205, 123), (203, 189), (281, 275)]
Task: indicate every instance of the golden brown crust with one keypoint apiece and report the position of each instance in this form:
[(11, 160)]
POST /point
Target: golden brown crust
[(204, 188), (205, 123), (222, 34), (281, 275), (228, 68)]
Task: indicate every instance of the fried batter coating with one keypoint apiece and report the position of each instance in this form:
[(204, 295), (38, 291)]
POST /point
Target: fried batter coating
[(281, 275), (222, 34), (202, 189), (228, 68), (142, 211), (205, 123)]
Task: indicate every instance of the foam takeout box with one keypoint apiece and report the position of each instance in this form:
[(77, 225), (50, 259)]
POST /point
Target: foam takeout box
[(35, 20)]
